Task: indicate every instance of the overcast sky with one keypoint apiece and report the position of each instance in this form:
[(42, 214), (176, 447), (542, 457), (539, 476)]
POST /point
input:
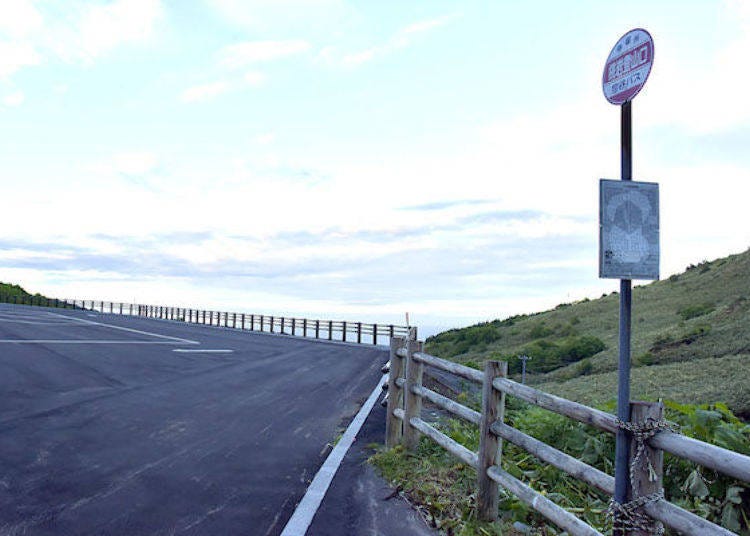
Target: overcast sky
[(356, 160)]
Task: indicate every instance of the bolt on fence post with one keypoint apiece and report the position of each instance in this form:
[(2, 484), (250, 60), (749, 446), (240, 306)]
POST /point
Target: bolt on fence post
[(412, 401), (645, 482), (393, 428), (490, 446)]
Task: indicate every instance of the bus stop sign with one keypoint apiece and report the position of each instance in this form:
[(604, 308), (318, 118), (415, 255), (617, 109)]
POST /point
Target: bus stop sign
[(628, 66)]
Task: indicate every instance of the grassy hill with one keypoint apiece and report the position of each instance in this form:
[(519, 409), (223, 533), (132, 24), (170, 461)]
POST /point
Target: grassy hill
[(10, 290), (691, 340)]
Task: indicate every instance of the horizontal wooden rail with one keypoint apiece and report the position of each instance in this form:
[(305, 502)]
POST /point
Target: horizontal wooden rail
[(671, 515), (558, 515), (573, 466), (574, 410), (452, 446), (461, 371), (447, 404), (719, 459)]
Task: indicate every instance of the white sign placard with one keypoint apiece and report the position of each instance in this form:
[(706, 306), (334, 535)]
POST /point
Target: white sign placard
[(628, 229)]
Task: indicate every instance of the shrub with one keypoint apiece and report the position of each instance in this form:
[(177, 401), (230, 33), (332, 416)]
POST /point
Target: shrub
[(585, 367), (693, 311), (646, 359), (576, 348), (539, 331)]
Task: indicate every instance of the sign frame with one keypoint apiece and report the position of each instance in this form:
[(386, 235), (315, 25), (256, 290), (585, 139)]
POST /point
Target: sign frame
[(641, 234)]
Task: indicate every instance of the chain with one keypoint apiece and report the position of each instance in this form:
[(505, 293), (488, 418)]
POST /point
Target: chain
[(630, 516), (642, 432)]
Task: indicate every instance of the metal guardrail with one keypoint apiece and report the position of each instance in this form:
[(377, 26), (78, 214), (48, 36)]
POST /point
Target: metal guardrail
[(332, 330), (404, 426)]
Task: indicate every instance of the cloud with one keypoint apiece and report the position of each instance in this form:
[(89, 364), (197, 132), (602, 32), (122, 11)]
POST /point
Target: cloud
[(16, 55), (442, 205), (254, 78), (135, 163), (14, 99), (204, 92), (82, 32), (20, 18), (250, 52), (280, 14), (104, 27), (401, 39)]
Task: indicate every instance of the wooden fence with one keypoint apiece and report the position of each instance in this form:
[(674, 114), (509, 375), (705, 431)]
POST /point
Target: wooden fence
[(404, 425), (332, 330)]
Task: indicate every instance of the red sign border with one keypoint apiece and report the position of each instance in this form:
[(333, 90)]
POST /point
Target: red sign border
[(639, 88)]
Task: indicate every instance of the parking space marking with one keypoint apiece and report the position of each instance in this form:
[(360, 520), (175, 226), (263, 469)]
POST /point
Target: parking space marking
[(203, 351), (130, 330), (85, 341)]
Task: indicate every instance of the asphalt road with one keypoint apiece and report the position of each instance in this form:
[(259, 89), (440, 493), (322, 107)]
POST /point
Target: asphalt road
[(115, 425)]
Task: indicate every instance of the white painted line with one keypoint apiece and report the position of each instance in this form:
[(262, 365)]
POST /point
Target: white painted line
[(130, 330), (84, 341), (308, 506), (202, 351)]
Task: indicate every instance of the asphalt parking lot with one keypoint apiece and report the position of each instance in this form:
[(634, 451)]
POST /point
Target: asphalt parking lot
[(120, 425)]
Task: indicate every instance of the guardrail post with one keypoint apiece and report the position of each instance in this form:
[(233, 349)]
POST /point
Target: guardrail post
[(317, 329), (294, 325), (330, 330), (234, 320), (647, 471), (490, 446), (261, 323), (393, 428), (252, 322), (343, 330), (412, 401), (271, 324), (304, 327), (375, 334), (359, 332)]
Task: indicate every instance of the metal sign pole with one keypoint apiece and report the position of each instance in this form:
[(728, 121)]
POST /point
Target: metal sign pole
[(622, 445)]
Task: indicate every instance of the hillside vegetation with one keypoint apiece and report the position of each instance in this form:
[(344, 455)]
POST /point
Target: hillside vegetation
[(691, 340), (9, 289)]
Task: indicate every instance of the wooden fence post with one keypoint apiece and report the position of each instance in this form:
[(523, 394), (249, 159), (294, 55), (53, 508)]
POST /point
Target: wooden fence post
[(412, 402), (647, 472), (490, 446), (393, 428)]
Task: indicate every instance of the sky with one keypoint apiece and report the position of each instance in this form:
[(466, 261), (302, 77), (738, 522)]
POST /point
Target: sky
[(357, 160)]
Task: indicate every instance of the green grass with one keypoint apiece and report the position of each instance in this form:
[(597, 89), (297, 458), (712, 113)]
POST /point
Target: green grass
[(699, 315)]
